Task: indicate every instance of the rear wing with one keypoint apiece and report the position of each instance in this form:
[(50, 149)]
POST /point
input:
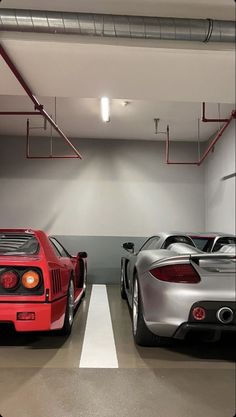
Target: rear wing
[(196, 258), (222, 256)]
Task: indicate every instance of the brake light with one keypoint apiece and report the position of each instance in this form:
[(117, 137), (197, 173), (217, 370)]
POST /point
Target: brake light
[(179, 273), (9, 280), (30, 279)]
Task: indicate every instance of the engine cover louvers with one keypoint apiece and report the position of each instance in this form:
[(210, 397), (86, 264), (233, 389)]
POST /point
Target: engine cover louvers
[(56, 281)]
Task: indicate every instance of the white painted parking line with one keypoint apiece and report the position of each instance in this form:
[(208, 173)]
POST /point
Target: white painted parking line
[(99, 350)]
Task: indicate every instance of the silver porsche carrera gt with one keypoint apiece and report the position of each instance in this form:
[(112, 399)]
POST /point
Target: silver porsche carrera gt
[(173, 288)]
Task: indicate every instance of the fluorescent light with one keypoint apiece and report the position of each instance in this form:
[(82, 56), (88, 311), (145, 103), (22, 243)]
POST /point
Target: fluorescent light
[(105, 109)]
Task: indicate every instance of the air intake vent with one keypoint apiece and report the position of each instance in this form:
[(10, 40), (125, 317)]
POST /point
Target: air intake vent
[(56, 281)]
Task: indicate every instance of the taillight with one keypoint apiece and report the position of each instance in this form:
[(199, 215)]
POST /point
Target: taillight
[(179, 273), (9, 280), (30, 279)]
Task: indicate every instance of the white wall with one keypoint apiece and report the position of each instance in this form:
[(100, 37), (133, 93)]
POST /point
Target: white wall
[(120, 188), (220, 195)]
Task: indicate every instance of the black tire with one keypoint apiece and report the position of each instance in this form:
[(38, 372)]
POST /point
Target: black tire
[(122, 281), (142, 335), (69, 314)]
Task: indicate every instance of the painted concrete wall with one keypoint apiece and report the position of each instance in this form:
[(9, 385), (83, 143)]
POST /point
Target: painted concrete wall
[(104, 254), (219, 194), (119, 189)]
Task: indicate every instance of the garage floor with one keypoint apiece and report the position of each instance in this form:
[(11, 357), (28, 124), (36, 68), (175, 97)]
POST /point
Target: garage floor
[(41, 375)]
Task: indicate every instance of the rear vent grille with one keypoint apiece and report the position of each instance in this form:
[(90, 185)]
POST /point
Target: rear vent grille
[(56, 281)]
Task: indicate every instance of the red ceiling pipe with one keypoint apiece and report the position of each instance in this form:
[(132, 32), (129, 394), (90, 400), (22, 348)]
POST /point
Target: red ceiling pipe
[(51, 156), (38, 107), (209, 148), (218, 136), (206, 120)]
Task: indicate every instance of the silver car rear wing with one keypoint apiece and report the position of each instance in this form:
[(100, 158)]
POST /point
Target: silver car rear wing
[(196, 258)]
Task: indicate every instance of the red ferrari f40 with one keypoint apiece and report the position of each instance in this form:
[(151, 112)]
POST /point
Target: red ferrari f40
[(40, 282)]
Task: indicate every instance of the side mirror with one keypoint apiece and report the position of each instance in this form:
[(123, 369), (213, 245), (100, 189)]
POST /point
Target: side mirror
[(129, 246), (82, 255)]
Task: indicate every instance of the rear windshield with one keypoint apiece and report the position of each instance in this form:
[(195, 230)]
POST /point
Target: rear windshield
[(203, 243), (18, 244)]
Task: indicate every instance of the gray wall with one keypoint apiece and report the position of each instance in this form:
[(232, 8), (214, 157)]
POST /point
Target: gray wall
[(104, 254), (119, 189), (219, 194)]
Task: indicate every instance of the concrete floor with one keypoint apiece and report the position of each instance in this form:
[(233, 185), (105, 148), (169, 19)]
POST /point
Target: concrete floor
[(40, 375)]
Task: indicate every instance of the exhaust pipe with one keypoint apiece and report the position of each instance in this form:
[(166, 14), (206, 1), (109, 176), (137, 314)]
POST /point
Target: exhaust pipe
[(225, 315)]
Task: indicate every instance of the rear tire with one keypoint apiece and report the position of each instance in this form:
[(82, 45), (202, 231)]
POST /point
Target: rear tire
[(69, 314), (122, 281), (142, 335)]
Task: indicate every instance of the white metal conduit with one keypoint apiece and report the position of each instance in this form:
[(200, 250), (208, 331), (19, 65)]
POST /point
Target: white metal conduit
[(107, 25)]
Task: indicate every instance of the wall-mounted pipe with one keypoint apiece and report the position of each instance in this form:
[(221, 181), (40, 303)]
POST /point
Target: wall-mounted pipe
[(207, 151), (117, 26), (38, 107)]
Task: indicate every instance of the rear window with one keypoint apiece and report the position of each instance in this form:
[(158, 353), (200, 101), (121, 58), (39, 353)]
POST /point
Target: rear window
[(202, 243), (18, 244)]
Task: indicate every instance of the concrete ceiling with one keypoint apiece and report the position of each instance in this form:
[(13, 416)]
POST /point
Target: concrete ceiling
[(215, 9), (160, 79)]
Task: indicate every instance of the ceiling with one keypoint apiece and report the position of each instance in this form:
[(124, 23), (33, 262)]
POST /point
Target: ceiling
[(164, 80), (215, 9)]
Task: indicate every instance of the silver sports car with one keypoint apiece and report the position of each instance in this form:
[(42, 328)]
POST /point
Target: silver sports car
[(173, 287)]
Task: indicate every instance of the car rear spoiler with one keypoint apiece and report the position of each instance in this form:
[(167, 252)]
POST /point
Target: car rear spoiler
[(196, 258)]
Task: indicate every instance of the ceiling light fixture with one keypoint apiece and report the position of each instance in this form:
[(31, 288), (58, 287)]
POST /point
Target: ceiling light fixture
[(105, 109)]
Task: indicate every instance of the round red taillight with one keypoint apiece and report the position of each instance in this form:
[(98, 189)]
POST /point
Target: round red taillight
[(199, 313), (9, 280)]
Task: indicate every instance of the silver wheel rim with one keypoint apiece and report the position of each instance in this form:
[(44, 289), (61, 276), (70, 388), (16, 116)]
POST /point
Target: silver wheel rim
[(135, 306), (71, 303)]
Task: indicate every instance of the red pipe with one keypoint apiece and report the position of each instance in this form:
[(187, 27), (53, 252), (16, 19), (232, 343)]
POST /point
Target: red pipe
[(218, 136), (28, 156), (27, 140), (167, 144), (207, 151), (37, 105), (206, 120)]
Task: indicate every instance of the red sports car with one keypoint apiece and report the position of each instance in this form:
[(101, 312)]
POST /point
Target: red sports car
[(40, 282)]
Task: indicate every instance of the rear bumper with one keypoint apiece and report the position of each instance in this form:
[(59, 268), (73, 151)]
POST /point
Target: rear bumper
[(215, 329), (48, 316), (181, 331)]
